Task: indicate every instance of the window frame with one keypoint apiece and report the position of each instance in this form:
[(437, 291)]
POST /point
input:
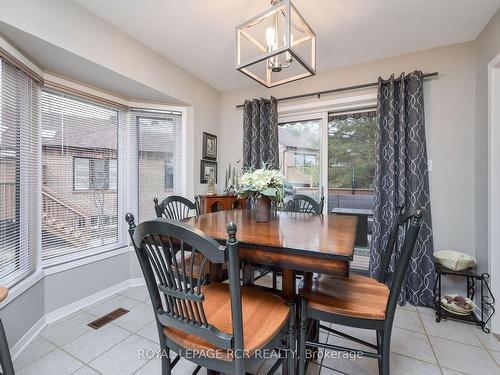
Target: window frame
[(150, 113)]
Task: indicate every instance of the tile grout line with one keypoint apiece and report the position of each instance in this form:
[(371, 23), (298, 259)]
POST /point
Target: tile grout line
[(57, 346), (31, 361), (485, 347), (429, 340), (471, 327)]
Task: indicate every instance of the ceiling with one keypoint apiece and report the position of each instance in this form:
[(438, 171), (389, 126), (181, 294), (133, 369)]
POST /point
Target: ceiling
[(199, 35), (58, 60)]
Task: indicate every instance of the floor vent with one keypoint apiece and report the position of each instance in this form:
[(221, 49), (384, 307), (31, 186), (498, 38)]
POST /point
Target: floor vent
[(108, 318)]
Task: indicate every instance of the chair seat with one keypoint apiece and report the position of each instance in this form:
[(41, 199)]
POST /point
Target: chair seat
[(4, 292), (355, 296), (264, 315)]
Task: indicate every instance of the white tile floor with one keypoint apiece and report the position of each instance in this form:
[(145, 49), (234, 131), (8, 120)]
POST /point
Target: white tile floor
[(420, 346)]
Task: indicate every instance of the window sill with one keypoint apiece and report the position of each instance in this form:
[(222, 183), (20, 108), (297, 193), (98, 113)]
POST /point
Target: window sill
[(78, 260), (22, 287)]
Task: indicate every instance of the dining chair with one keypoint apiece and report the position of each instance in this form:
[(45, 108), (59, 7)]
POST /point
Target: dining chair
[(176, 207), (221, 326), (5, 358), (294, 203), (360, 301), (303, 203)]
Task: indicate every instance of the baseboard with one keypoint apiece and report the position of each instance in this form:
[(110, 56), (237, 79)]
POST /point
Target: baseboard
[(63, 312), (28, 337), (90, 300)]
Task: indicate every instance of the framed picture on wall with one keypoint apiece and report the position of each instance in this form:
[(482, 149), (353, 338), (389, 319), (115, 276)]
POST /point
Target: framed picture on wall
[(208, 169), (209, 146)]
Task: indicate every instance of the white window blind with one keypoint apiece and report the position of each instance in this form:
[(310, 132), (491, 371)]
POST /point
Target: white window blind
[(19, 174), (80, 178), (160, 158)]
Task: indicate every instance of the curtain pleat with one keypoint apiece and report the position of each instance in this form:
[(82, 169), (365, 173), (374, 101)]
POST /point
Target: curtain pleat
[(260, 134)]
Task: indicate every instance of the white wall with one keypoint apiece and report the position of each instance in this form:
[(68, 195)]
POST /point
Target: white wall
[(449, 115)]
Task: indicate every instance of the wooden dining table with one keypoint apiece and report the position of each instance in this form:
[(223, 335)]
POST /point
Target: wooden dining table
[(293, 242)]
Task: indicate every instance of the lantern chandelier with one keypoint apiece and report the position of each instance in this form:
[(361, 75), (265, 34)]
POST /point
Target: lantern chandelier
[(277, 46)]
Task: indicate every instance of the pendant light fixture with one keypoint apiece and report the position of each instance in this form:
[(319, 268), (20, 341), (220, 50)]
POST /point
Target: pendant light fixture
[(277, 46)]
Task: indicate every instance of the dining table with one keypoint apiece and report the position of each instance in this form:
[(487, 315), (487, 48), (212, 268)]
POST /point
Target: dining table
[(290, 241)]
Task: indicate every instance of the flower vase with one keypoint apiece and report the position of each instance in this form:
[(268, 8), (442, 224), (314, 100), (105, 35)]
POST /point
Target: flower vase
[(262, 209)]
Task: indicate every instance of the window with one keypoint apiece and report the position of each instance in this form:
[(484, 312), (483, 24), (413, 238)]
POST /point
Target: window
[(160, 158), (305, 160), (19, 187), (80, 179), (94, 174), (299, 155)]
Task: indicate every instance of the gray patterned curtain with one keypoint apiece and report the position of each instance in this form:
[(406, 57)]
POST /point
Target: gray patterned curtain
[(401, 178), (260, 134)]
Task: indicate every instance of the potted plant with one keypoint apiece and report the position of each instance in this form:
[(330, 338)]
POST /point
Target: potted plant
[(264, 186)]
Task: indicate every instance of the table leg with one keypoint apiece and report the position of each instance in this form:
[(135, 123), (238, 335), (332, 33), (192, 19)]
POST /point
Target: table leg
[(362, 231), (288, 280), (288, 284), (308, 277), (215, 272), (248, 278)]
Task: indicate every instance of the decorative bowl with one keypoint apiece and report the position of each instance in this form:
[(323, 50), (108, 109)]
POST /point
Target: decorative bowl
[(454, 260), (450, 304)]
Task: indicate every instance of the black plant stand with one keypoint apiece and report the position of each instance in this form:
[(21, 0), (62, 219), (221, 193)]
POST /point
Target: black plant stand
[(486, 303)]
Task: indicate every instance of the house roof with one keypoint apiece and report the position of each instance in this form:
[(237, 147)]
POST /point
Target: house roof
[(101, 132)]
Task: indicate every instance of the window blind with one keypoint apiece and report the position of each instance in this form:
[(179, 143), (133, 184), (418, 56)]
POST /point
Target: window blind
[(80, 175), (19, 174), (160, 159)]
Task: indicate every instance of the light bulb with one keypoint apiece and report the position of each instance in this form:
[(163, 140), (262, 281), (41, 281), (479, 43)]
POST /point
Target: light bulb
[(270, 36)]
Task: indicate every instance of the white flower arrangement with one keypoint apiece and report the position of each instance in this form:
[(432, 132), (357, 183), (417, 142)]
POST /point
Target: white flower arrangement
[(262, 182)]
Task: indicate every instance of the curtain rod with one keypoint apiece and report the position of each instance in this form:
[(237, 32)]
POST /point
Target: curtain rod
[(340, 89)]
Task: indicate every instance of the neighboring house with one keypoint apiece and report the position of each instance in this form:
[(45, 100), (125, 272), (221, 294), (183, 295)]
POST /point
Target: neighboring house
[(79, 180), (298, 163)]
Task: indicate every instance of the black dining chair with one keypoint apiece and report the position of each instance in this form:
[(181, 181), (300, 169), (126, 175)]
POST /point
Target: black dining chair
[(220, 326), (303, 203), (176, 207), (5, 358), (360, 301)]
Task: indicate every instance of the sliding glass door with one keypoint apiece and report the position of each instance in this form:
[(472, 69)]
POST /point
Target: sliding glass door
[(333, 155)]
